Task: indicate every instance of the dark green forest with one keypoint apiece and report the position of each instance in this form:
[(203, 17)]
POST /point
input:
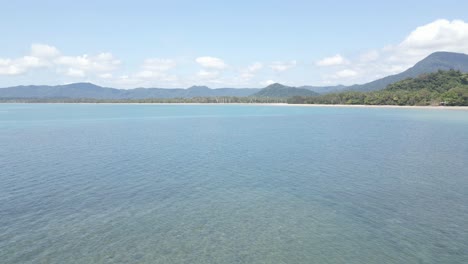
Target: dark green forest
[(440, 88)]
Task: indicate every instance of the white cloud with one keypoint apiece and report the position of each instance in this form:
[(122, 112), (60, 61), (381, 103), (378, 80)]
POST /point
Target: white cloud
[(44, 51), (211, 62), (43, 55), (103, 62), (156, 69), (207, 74), (8, 68), (439, 35), (105, 75), (256, 66), (280, 66), (20, 65), (250, 71), (333, 61), (346, 73), (267, 82), (75, 72)]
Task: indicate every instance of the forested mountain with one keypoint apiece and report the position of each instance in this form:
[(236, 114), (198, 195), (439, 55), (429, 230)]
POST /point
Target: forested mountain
[(438, 88), (278, 90), (89, 90), (433, 63)]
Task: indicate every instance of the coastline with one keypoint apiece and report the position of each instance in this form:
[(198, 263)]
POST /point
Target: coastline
[(277, 104)]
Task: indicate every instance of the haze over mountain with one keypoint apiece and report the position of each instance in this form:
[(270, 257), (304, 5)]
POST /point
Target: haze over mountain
[(432, 63), (279, 90), (89, 90)]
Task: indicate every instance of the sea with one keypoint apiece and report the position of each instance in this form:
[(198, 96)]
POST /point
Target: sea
[(130, 183)]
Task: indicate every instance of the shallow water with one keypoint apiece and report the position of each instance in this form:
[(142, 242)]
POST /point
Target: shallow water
[(232, 184)]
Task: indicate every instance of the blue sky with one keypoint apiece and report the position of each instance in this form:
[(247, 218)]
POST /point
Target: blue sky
[(219, 44)]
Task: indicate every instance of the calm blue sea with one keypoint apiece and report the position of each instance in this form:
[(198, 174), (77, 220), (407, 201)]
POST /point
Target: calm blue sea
[(232, 184)]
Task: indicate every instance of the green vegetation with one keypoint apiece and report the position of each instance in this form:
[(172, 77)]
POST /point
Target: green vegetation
[(194, 100), (277, 90), (432, 63), (439, 88)]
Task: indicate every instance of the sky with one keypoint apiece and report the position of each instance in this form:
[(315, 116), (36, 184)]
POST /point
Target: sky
[(177, 44)]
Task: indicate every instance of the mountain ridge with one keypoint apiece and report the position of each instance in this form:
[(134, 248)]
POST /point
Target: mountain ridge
[(441, 60), (280, 90)]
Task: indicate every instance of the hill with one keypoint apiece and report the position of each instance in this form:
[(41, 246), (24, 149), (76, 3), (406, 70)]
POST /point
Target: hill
[(89, 90), (438, 88), (324, 89), (278, 90), (432, 63)]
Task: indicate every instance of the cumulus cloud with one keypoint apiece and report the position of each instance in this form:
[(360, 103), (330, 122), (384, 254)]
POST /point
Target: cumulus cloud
[(346, 73), (333, 61), (103, 62), (280, 66), (207, 74), (106, 75), (20, 65), (42, 55), (439, 35), (256, 66), (44, 51), (211, 62), (75, 72), (249, 72), (156, 69)]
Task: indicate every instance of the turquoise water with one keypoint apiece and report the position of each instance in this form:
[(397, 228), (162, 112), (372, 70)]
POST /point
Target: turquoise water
[(232, 184)]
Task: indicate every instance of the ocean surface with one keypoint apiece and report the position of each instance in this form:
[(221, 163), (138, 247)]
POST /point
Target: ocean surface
[(232, 184)]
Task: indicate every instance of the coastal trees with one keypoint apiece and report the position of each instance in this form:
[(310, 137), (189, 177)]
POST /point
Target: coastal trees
[(442, 87)]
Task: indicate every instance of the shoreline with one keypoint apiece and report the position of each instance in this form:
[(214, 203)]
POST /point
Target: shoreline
[(274, 104)]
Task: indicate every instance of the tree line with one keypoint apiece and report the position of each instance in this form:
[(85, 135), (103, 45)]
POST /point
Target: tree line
[(440, 88), (194, 100)]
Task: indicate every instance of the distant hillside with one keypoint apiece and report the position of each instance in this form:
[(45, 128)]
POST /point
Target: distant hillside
[(278, 90), (438, 88), (89, 90), (432, 63), (440, 81), (324, 89)]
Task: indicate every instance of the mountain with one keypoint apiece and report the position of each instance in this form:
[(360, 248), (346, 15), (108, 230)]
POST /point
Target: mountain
[(89, 90), (279, 90), (448, 88), (436, 61), (432, 63), (75, 90), (324, 89)]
